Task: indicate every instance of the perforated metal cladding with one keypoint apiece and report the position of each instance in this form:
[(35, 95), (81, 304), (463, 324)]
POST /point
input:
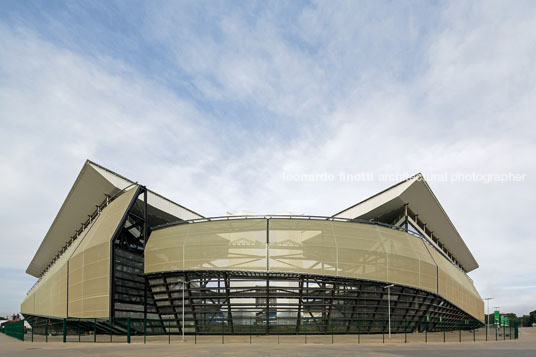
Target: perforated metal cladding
[(89, 267), (28, 305), (49, 296), (455, 286), (84, 267), (239, 245), (315, 247)]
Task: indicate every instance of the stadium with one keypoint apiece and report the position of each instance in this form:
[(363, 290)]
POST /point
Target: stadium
[(119, 256)]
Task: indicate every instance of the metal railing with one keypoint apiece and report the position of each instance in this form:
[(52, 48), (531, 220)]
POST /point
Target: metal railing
[(252, 330)]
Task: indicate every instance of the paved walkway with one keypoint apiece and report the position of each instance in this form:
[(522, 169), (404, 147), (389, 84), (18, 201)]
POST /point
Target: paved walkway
[(525, 346)]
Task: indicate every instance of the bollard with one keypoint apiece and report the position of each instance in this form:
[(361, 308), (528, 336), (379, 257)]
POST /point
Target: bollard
[(95, 330), (383, 331), (64, 330), (405, 331), (474, 335), (128, 330), (460, 333), (46, 332), (78, 330), (358, 334)]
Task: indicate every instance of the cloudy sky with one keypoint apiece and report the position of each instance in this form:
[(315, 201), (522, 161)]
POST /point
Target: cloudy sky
[(216, 104)]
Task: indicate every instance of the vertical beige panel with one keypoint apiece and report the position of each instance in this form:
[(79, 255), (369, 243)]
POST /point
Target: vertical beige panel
[(27, 306), (164, 251), (50, 294), (230, 244), (89, 266), (455, 286), (427, 266), (86, 281), (302, 246), (360, 251), (58, 293), (402, 260), (233, 245)]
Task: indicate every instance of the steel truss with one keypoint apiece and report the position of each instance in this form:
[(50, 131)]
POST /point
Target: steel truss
[(238, 302)]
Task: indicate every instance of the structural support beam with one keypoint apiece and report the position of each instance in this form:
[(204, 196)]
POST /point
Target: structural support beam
[(317, 297), (228, 298)]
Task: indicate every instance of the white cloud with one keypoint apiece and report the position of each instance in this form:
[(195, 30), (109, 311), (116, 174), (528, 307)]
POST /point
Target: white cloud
[(467, 107), (58, 109)]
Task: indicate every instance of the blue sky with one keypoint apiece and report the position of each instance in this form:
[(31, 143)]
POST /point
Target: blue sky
[(211, 103)]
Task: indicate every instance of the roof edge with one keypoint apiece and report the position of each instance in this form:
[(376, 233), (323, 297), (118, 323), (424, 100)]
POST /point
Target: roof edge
[(69, 194), (379, 193), (154, 193)]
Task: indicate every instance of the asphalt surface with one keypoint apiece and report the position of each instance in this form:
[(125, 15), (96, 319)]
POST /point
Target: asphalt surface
[(525, 346)]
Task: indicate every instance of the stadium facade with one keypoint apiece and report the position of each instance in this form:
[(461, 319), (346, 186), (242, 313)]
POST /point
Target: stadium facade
[(117, 250)]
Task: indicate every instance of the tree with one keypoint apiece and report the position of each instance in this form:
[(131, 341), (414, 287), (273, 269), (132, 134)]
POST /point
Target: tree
[(532, 317)]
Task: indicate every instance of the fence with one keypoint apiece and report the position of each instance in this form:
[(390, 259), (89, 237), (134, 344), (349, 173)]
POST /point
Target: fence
[(129, 330), (14, 329)]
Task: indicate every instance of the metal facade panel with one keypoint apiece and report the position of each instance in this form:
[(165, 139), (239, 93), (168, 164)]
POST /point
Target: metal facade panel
[(89, 267), (84, 269), (342, 249), (211, 245)]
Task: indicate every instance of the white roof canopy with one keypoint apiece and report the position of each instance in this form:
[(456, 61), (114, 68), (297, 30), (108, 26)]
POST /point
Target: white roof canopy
[(420, 199), (90, 189)]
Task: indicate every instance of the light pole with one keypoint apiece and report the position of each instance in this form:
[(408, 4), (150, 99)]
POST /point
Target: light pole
[(488, 299), (388, 287), (182, 326), (183, 283)]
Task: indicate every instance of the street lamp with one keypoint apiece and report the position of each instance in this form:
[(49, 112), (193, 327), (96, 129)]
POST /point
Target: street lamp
[(388, 287), (488, 299), (182, 326)]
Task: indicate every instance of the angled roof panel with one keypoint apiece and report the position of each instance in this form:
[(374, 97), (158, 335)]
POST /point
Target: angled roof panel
[(418, 195), (90, 189), (154, 199)]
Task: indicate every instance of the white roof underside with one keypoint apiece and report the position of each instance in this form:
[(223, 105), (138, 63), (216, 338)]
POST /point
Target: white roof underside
[(92, 185), (421, 200)]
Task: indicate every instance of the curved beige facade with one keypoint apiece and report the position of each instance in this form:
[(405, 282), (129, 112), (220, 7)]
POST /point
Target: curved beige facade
[(334, 248)]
